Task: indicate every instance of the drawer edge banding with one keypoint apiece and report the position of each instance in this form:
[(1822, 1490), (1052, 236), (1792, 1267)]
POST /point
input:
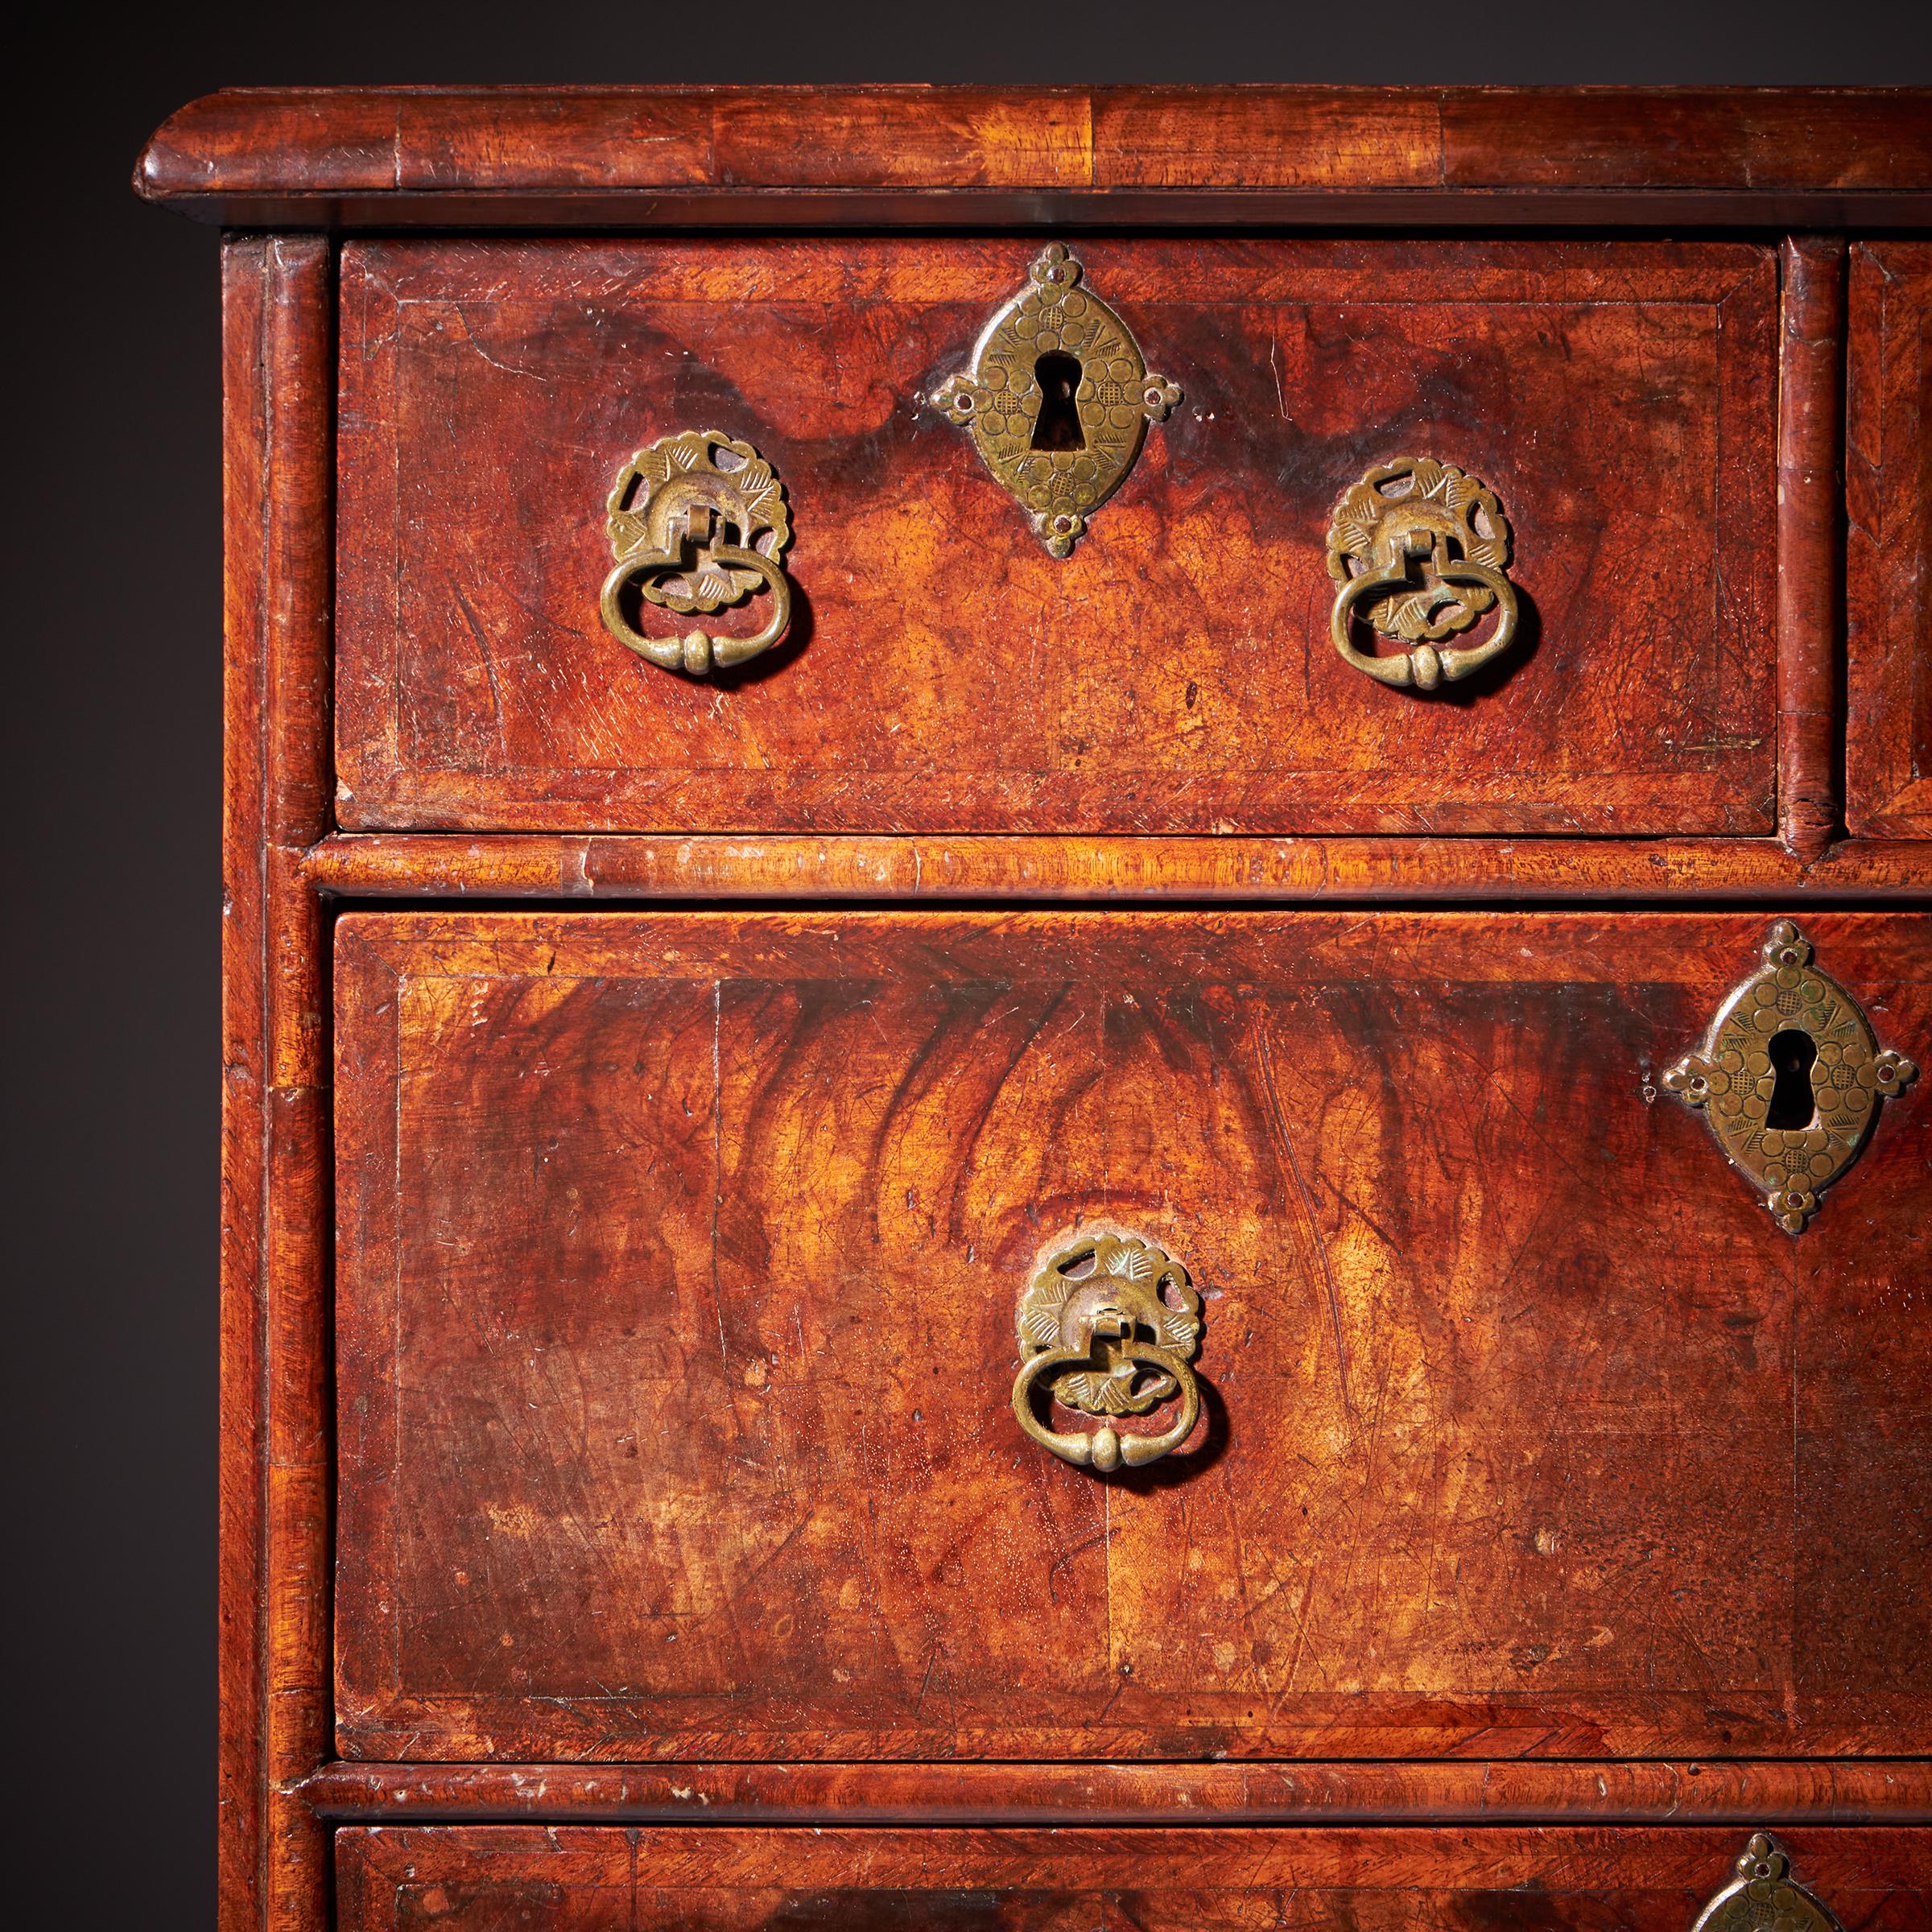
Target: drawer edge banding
[(672, 865), (1895, 1791)]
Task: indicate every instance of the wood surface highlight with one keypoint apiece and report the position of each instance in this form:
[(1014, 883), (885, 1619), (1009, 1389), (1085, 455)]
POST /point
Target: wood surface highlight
[(381, 865)]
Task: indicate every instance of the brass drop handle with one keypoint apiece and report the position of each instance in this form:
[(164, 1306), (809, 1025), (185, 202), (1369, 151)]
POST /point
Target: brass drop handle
[(1418, 549), (672, 511), (1108, 1326)]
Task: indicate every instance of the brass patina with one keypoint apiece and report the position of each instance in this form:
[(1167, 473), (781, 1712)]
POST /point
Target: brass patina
[(1735, 1077), (1107, 1326), (697, 521), (1057, 398), (1418, 549), (1763, 1897)]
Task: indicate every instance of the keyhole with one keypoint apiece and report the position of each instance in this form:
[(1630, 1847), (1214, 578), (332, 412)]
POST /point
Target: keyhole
[(1792, 1053), (1058, 425)]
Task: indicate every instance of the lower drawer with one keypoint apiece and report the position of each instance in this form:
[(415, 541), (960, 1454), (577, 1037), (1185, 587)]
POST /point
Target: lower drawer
[(605, 1878), (691, 1268)]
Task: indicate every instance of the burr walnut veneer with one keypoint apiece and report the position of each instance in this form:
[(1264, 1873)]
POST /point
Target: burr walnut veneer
[(1041, 1258)]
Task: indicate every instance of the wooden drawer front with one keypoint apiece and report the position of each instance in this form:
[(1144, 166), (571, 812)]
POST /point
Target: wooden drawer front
[(1176, 671), (488, 1876), (678, 1258), (1888, 466)]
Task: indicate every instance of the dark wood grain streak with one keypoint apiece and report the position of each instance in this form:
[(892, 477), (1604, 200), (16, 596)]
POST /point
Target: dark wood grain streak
[(288, 633), (669, 156), (1888, 462), (1454, 1879), (381, 865), (1810, 542), (1873, 1791)]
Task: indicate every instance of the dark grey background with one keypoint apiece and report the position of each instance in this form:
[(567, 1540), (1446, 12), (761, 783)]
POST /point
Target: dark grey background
[(113, 708)]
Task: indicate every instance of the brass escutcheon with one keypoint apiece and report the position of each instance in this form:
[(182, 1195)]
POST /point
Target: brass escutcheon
[(1107, 1326), (1418, 548), (1763, 1897), (1789, 1026), (1057, 398), (698, 521)]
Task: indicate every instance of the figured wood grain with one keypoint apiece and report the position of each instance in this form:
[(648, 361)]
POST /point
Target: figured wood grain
[(726, 1880), (1888, 751), (525, 865), (1175, 674), (1891, 1790), (678, 1255), (668, 156), (278, 385), (1810, 542)]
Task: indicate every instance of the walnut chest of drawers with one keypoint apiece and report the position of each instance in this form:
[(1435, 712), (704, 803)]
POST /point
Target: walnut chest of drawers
[(1078, 942)]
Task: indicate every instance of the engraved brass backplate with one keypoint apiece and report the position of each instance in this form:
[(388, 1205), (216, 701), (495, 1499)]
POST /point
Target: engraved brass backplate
[(697, 521), (1057, 398), (1790, 1076), (1763, 1897), (1418, 549), (1107, 1326)]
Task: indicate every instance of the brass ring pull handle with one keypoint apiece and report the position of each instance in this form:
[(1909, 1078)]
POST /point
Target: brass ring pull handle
[(1107, 1449), (1108, 1326), (672, 511), (1424, 666), (698, 651), (1419, 549)]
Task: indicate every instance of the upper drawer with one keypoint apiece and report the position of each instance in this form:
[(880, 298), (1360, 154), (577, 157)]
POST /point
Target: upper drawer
[(944, 672), (681, 1260)]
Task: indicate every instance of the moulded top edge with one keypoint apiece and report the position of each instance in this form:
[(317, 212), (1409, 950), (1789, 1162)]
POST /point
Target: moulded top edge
[(540, 153)]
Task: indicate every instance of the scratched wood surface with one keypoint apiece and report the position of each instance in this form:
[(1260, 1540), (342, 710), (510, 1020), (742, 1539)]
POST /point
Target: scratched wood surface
[(1175, 674), (1888, 494), (677, 1261), (468, 1879)]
